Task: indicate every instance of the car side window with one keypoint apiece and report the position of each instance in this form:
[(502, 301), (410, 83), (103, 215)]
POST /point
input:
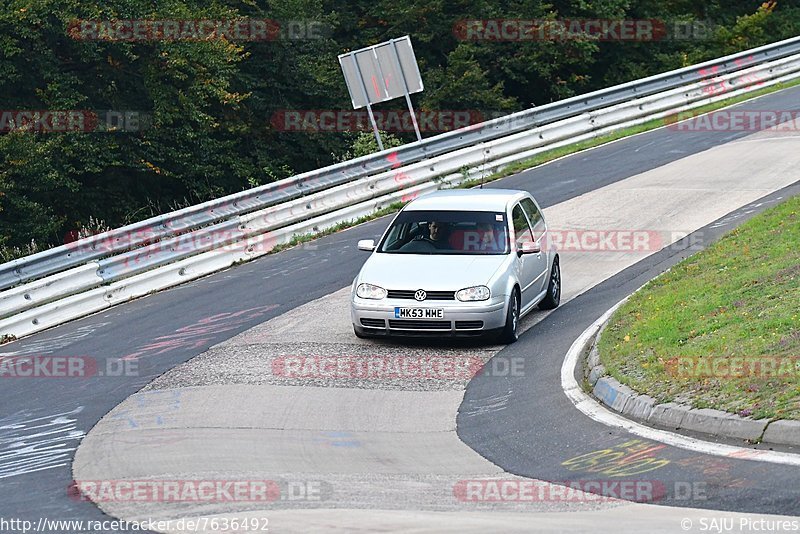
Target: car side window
[(522, 232), (534, 215), (393, 240), (399, 235)]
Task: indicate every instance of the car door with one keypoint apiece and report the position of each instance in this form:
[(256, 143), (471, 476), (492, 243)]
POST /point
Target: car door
[(531, 266), (539, 228)]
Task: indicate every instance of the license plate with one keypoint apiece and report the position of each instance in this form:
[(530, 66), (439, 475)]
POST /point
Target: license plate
[(418, 313)]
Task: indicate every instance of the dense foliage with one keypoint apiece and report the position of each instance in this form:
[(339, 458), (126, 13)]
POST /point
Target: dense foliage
[(210, 102)]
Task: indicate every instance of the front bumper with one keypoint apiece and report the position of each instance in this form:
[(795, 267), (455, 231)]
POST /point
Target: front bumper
[(460, 318)]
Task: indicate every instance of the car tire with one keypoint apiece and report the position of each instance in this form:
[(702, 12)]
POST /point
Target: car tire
[(553, 297), (509, 334)]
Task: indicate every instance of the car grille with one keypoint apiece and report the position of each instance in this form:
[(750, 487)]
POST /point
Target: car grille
[(469, 325), (419, 325), (431, 295), (373, 323)]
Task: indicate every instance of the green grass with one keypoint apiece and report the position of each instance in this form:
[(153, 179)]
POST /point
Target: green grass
[(738, 298)]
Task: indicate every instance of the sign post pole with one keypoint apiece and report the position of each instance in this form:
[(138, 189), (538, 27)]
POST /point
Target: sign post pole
[(405, 86)]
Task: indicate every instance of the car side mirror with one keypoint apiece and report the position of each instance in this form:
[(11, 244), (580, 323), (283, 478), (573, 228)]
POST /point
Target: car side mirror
[(367, 245), (529, 247)]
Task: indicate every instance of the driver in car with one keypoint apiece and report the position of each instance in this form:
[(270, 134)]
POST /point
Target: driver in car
[(436, 237), (437, 233)]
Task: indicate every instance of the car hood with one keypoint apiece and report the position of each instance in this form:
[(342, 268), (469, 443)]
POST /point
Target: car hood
[(430, 272)]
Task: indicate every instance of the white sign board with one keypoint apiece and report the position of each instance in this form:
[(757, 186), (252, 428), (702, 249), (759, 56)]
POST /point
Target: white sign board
[(381, 72)]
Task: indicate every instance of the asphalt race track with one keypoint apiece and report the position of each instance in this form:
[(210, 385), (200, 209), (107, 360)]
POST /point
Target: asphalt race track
[(523, 424), (531, 442)]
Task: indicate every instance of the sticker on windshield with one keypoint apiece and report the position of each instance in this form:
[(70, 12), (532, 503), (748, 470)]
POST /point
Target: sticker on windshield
[(498, 218)]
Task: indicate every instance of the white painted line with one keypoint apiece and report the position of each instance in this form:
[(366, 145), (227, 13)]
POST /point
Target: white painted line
[(599, 413)]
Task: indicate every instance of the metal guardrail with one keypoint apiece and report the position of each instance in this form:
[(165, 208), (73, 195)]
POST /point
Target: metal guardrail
[(128, 238)]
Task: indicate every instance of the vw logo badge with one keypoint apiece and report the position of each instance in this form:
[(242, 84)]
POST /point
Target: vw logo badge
[(420, 295)]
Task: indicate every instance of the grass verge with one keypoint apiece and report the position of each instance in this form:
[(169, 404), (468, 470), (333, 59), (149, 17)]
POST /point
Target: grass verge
[(722, 328)]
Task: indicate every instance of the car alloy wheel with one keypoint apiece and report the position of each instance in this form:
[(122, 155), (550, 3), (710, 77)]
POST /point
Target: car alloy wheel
[(553, 297)]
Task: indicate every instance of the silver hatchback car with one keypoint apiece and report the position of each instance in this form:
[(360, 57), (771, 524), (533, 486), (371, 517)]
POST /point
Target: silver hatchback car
[(457, 263)]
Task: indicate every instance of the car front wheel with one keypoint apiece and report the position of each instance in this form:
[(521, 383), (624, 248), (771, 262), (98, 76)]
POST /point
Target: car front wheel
[(509, 334)]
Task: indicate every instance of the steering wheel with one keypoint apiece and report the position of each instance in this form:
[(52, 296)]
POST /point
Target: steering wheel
[(420, 243)]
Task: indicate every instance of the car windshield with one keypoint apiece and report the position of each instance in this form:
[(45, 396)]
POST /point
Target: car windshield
[(447, 232)]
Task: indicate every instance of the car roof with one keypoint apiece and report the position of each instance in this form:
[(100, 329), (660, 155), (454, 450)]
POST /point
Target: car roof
[(466, 200)]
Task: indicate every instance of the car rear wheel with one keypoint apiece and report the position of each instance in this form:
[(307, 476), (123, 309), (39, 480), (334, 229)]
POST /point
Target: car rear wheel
[(509, 334), (553, 298)]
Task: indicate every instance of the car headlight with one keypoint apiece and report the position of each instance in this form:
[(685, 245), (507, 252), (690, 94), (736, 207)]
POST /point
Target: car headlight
[(471, 294), (369, 291)]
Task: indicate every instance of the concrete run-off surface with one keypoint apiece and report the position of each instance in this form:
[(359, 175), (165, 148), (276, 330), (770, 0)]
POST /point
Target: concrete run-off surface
[(383, 451)]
